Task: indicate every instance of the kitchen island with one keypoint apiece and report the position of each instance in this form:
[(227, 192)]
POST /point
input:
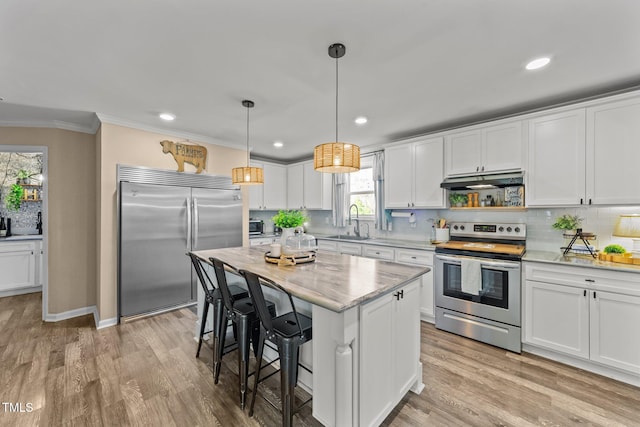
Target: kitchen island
[(366, 329)]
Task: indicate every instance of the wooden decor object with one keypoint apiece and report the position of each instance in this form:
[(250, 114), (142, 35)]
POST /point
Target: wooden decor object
[(194, 154)]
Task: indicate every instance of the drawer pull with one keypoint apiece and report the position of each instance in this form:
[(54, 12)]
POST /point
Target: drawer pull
[(590, 280)]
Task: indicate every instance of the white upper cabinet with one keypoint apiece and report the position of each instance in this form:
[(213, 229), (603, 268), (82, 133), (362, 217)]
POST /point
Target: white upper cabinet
[(556, 170), (613, 150), (482, 150), (272, 195), (307, 188), (413, 173)]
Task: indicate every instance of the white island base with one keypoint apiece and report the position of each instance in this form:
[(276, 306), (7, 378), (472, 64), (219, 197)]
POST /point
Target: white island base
[(366, 359)]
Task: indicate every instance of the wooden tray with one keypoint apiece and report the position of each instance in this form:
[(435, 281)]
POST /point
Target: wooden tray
[(290, 259)]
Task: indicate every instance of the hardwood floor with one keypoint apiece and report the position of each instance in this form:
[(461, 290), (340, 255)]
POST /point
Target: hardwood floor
[(146, 373)]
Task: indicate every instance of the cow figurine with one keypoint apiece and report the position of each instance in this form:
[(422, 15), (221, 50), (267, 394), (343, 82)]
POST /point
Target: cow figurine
[(194, 154)]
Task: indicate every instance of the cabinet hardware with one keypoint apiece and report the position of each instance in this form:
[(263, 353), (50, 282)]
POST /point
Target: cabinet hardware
[(584, 293), (477, 168), (413, 257), (31, 252), (399, 294), (581, 201), (590, 280), (594, 294), (589, 201), (482, 169)]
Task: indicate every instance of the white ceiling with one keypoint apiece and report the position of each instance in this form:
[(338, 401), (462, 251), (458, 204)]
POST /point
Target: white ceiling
[(411, 66)]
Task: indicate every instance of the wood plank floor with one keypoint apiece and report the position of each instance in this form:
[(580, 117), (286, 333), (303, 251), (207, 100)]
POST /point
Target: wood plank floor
[(145, 373)]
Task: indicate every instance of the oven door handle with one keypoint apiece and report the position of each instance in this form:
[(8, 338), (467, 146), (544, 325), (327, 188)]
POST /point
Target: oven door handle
[(458, 260)]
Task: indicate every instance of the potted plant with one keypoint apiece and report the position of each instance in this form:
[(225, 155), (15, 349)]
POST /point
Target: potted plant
[(23, 177), (14, 198), (567, 223), (457, 199), (288, 221)]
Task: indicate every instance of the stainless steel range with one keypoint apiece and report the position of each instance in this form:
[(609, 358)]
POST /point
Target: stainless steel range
[(477, 282)]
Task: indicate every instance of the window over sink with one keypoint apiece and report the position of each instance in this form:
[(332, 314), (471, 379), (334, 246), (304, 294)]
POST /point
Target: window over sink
[(362, 188)]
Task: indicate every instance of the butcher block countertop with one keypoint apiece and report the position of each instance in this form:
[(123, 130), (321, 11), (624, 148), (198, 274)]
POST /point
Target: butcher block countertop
[(335, 282)]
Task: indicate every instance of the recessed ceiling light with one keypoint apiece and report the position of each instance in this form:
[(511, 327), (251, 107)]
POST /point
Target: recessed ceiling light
[(361, 120), (278, 144), (167, 116), (538, 63)]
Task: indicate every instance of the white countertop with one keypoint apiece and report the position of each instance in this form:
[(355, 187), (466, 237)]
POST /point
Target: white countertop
[(21, 237), (578, 261)]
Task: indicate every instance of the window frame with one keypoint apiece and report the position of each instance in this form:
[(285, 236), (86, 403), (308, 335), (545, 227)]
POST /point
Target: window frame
[(365, 163)]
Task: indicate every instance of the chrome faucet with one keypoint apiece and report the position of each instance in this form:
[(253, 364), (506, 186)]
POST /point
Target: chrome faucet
[(356, 229)]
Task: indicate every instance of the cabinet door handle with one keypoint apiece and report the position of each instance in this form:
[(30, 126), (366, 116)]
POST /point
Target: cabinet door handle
[(408, 205), (482, 169), (584, 293), (399, 294), (581, 201), (477, 168), (589, 201), (31, 252), (594, 294)]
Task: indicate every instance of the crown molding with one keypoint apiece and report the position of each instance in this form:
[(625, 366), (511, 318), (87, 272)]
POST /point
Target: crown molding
[(54, 124), (105, 118)]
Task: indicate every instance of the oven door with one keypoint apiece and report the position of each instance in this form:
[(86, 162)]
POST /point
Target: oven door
[(499, 295)]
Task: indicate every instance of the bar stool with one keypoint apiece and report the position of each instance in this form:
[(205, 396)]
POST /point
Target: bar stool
[(212, 296), (288, 331), (241, 312)]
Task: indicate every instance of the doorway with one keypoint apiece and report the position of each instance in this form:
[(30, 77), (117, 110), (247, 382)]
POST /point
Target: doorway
[(24, 225)]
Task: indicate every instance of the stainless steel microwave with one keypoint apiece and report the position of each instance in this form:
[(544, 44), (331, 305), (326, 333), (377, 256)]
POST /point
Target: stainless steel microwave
[(256, 226)]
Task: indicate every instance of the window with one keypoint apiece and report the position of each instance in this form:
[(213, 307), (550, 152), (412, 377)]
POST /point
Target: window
[(362, 188)]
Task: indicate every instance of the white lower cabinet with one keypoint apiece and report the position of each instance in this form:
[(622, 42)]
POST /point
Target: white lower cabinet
[(378, 252), (615, 340), (557, 318), (391, 365), (586, 313), (423, 259), (262, 241), (18, 265)]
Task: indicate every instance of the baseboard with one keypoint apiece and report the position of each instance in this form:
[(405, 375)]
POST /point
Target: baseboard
[(100, 324), (429, 318), (613, 373), (70, 314), (21, 291)]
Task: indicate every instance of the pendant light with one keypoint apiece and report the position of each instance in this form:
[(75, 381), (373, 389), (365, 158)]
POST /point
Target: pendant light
[(336, 157), (248, 175)]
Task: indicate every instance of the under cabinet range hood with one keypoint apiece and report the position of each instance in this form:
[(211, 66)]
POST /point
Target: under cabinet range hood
[(478, 182)]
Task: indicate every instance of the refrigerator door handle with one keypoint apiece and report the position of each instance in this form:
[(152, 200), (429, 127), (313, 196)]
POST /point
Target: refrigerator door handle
[(196, 220), (188, 223)]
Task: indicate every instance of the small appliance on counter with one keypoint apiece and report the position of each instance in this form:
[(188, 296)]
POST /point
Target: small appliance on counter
[(256, 226)]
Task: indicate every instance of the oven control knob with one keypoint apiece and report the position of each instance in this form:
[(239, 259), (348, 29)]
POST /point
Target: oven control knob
[(501, 229), (517, 229), (455, 227), (508, 229), (462, 227)]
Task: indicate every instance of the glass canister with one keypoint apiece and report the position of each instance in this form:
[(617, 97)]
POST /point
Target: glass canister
[(300, 243)]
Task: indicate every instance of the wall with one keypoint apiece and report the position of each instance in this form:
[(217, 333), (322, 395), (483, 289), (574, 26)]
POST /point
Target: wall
[(71, 245), (540, 234), (134, 147)]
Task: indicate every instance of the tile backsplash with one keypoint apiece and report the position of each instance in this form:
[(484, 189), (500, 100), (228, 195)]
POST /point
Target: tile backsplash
[(540, 234)]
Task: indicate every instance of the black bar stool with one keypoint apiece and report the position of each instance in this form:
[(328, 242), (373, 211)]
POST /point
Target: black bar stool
[(241, 312), (212, 296), (288, 331)]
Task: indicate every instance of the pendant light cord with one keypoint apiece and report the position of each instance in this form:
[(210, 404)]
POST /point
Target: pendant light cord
[(248, 108), (336, 99)]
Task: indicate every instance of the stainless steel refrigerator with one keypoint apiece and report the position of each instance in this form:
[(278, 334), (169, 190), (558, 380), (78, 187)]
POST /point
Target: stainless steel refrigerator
[(159, 224)]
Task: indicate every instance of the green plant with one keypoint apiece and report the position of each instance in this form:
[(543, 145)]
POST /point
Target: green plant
[(289, 219), (614, 249), (14, 198), (456, 198), (567, 222)]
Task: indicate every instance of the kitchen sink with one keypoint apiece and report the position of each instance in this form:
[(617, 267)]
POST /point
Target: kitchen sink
[(348, 237)]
